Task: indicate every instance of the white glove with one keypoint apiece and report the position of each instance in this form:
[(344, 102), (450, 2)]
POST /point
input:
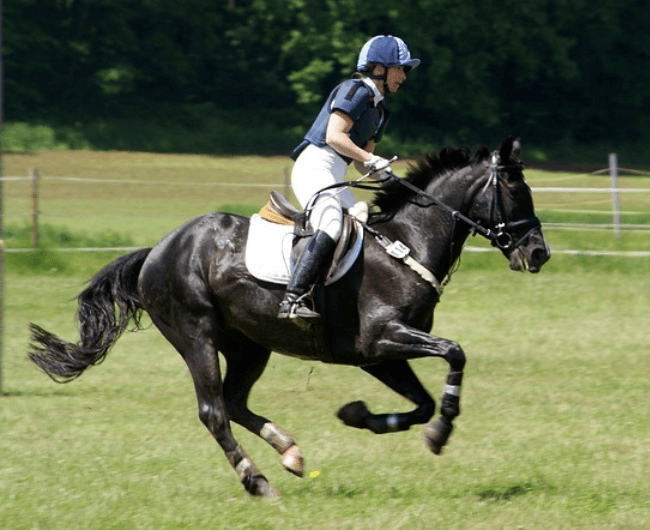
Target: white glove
[(377, 163), (360, 211), (378, 166)]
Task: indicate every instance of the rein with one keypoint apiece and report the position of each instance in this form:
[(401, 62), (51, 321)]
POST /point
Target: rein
[(500, 236)]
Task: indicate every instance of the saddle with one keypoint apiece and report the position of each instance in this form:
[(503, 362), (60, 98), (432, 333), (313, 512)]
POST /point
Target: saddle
[(280, 231), (279, 210)]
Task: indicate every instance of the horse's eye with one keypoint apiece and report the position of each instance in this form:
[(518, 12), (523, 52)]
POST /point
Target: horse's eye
[(515, 192)]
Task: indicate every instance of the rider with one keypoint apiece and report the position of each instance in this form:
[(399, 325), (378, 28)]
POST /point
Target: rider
[(349, 125)]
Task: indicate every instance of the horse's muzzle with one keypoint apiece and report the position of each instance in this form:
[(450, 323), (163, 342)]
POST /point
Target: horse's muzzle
[(531, 254)]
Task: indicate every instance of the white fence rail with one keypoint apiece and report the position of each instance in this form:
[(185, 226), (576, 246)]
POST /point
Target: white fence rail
[(614, 190)]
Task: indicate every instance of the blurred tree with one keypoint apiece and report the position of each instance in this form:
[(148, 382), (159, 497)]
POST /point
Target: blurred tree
[(543, 69)]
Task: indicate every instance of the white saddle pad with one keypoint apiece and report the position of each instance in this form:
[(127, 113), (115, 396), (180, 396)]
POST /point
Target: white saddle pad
[(268, 252)]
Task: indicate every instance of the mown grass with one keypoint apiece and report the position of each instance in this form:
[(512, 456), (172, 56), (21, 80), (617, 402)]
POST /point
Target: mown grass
[(140, 197), (553, 431)]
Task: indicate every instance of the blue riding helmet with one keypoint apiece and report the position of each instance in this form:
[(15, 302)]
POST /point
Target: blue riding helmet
[(387, 51)]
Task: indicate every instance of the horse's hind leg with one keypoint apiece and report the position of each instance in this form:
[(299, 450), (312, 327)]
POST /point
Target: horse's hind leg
[(398, 376), (196, 341), (246, 362)]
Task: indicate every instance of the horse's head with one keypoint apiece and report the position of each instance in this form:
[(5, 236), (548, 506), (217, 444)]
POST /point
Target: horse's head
[(486, 192), (505, 206)]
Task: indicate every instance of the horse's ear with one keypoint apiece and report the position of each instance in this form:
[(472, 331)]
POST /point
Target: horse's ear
[(506, 148), (510, 148)]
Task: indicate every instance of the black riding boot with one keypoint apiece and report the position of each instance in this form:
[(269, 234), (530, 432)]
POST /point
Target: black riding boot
[(307, 268)]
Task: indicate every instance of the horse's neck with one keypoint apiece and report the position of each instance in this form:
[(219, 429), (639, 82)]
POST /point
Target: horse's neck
[(432, 234)]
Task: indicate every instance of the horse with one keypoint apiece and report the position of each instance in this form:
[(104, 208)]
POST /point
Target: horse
[(197, 291)]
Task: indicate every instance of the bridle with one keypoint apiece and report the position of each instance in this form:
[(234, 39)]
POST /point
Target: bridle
[(502, 237), (501, 233)]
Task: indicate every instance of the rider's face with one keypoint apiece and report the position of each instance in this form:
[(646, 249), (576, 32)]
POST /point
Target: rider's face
[(396, 77)]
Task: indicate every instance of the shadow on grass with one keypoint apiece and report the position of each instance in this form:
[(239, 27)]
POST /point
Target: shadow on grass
[(505, 494)]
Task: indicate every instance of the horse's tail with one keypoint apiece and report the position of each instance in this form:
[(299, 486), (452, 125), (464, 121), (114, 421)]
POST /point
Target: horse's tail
[(106, 307)]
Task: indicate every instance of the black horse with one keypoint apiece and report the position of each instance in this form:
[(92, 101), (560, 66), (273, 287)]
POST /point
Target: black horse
[(198, 292)]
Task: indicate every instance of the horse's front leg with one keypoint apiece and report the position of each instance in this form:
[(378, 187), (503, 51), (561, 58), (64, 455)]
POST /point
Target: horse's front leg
[(399, 342)]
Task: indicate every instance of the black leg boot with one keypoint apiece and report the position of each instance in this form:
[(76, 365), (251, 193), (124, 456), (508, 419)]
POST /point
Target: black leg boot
[(309, 265)]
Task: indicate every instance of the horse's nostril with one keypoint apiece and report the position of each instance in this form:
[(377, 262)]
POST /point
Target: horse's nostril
[(538, 257)]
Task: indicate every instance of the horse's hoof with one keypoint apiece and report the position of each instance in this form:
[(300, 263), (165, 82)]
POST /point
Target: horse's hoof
[(271, 493), (354, 414), (293, 461), (264, 489), (437, 434)]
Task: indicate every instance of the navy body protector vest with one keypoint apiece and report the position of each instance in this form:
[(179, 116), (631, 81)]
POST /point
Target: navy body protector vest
[(354, 98)]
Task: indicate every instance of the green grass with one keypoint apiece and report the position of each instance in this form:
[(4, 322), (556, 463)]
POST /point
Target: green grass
[(207, 128), (553, 433), (174, 129), (139, 197)]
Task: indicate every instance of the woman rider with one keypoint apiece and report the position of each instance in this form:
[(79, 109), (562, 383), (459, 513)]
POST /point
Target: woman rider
[(347, 129)]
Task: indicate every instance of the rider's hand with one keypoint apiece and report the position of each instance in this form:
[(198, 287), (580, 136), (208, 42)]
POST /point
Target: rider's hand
[(378, 166), (376, 163), (360, 211)]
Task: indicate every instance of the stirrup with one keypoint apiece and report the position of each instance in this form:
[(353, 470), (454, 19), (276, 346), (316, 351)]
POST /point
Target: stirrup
[(296, 309)]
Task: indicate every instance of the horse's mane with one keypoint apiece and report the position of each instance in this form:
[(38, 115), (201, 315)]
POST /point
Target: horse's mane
[(427, 168)]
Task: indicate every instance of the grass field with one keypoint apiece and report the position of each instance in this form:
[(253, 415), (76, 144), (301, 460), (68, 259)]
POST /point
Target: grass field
[(115, 191), (554, 430)]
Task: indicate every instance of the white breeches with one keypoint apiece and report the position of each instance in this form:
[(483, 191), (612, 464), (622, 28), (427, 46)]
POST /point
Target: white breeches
[(315, 169)]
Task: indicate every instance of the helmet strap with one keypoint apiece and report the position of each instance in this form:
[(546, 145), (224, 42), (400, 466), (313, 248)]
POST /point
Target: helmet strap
[(383, 77)]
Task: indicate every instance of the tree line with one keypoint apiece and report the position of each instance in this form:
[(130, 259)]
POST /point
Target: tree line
[(543, 69)]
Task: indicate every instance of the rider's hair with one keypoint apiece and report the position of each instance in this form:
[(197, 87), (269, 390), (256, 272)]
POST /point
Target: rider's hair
[(365, 73)]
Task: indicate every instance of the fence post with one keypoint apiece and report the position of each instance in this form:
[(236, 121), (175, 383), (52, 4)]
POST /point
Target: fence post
[(35, 179), (616, 202)]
